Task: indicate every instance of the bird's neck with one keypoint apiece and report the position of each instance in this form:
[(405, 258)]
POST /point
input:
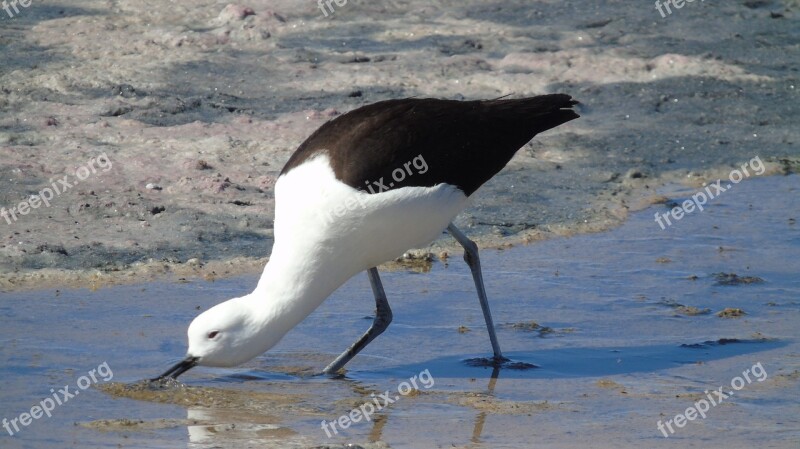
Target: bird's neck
[(311, 256), (296, 280)]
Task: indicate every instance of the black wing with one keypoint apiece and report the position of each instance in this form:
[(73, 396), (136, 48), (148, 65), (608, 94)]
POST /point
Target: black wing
[(462, 143)]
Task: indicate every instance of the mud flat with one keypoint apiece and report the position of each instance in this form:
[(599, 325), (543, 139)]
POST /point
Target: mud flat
[(196, 105)]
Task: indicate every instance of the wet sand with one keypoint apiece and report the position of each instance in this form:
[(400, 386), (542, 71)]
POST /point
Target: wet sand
[(197, 105), (622, 325)]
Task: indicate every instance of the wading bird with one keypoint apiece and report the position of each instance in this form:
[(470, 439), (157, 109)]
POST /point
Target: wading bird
[(360, 191)]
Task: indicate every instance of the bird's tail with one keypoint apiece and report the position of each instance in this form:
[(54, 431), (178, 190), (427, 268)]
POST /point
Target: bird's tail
[(542, 112)]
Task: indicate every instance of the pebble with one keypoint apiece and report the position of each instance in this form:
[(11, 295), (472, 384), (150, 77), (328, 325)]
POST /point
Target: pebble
[(235, 12)]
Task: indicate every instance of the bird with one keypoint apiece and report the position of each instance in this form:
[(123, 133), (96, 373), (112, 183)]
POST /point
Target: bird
[(363, 189)]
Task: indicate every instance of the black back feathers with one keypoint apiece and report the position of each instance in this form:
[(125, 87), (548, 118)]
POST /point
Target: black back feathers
[(461, 143)]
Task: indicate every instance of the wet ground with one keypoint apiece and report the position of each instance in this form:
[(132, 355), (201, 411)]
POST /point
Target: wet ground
[(625, 327), (197, 105)]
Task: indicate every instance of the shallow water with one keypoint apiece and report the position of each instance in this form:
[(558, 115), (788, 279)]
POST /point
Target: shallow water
[(614, 350)]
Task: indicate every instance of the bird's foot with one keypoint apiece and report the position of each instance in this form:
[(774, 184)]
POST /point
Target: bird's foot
[(499, 362)]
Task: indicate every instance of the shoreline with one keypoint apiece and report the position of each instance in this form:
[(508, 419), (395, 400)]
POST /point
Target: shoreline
[(418, 259), (170, 122)]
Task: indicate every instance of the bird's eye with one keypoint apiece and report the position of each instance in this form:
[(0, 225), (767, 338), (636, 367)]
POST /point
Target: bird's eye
[(212, 334)]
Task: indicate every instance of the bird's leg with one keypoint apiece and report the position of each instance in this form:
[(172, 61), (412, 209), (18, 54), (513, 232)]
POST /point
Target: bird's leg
[(383, 316), (471, 258)]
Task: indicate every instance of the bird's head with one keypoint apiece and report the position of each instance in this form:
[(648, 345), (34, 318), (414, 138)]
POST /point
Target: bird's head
[(225, 335)]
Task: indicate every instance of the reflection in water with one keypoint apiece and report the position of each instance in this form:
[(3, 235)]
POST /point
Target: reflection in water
[(480, 420), (623, 306), (376, 434), (251, 420), (206, 426), (220, 427)]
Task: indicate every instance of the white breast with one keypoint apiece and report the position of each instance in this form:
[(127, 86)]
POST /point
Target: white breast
[(315, 212)]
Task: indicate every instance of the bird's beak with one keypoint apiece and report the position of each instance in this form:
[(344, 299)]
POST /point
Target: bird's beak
[(181, 367)]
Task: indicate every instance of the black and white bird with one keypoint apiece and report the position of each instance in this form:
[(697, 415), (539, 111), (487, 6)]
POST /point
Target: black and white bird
[(361, 190)]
